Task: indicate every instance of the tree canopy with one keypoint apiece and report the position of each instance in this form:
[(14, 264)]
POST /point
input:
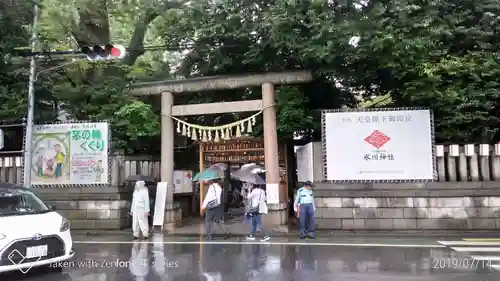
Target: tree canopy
[(441, 54)]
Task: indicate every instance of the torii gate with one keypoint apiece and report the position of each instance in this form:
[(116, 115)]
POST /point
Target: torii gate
[(267, 104)]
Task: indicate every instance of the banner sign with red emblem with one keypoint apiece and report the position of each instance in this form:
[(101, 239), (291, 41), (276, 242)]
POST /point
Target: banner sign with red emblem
[(379, 145)]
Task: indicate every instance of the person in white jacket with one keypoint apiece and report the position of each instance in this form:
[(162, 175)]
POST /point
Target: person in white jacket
[(256, 208), (214, 210), (140, 210)]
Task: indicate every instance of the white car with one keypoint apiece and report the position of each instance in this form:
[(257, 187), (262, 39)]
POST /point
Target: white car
[(32, 234)]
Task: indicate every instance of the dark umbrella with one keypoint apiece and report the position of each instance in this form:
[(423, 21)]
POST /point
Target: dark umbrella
[(140, 178), (7, 188), (10, 185)]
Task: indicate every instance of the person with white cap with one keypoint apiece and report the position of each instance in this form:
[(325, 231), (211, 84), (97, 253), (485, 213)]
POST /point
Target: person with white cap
[(140, 210)]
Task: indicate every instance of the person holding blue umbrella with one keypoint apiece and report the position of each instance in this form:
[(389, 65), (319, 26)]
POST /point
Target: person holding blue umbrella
[(214, 209), (209, 174)]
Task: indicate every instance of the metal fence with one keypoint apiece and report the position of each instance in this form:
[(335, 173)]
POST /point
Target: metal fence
[(11, 168), (471, 162)]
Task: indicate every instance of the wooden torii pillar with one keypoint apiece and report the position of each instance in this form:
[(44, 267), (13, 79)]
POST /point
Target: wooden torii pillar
[(170, 87)]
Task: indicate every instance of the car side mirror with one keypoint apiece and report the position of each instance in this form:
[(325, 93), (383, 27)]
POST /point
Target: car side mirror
[(53, 208)]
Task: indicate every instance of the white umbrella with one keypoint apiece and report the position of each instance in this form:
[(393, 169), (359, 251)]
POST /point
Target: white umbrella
[(220, 166), (249, 173), (252, 167)]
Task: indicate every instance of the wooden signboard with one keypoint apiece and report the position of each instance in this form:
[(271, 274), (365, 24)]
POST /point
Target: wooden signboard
[(241, 151)]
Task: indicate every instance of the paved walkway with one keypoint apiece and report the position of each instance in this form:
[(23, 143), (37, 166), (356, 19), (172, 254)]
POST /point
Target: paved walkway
[(114, 256), (479, 252), (361, 241), (111, 257), (193, 227)]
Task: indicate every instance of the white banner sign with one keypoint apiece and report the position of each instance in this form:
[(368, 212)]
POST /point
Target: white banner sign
[(379, 145), (71, 153), (160, 201), (272, 193), (305, 163)]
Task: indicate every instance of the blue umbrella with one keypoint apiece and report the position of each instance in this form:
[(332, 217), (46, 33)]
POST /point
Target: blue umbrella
[(209, 174)]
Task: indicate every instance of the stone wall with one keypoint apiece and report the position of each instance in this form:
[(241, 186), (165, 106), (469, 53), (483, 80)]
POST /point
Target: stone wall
[(108, 208), (408, 206), (91, 208), (173, 216), (277, 217), (188, 204)]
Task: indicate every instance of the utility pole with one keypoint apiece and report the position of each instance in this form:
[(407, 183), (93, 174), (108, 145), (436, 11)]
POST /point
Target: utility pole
[(31, 102)]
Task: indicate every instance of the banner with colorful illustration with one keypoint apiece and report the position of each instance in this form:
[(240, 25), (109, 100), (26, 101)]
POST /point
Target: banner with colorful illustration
[(70, 153)]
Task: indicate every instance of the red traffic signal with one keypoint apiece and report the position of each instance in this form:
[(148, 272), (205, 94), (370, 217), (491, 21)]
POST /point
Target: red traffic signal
[(104, 52)]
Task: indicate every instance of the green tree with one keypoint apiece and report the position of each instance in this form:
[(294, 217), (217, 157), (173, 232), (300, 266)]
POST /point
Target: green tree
[(98, 90), (236, 37), (439, 54), (445, 57), (13, 33)]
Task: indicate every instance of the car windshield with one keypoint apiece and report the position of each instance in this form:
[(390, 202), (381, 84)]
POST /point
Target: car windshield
[(21, 202)]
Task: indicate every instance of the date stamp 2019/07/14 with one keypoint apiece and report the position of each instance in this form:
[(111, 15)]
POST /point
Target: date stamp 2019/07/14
[(460, 263)]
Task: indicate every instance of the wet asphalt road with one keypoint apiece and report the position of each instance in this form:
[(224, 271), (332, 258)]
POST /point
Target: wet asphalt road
[(236, 261)]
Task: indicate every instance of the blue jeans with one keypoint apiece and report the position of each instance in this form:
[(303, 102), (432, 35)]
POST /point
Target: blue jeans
[(306, 215), (256, 223)]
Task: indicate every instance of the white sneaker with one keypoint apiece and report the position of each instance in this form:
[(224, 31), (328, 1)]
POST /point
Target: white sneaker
[(267, 238), (250, 238)]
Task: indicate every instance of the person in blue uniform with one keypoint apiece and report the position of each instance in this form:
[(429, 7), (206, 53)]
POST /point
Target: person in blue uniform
[(304, 207)]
